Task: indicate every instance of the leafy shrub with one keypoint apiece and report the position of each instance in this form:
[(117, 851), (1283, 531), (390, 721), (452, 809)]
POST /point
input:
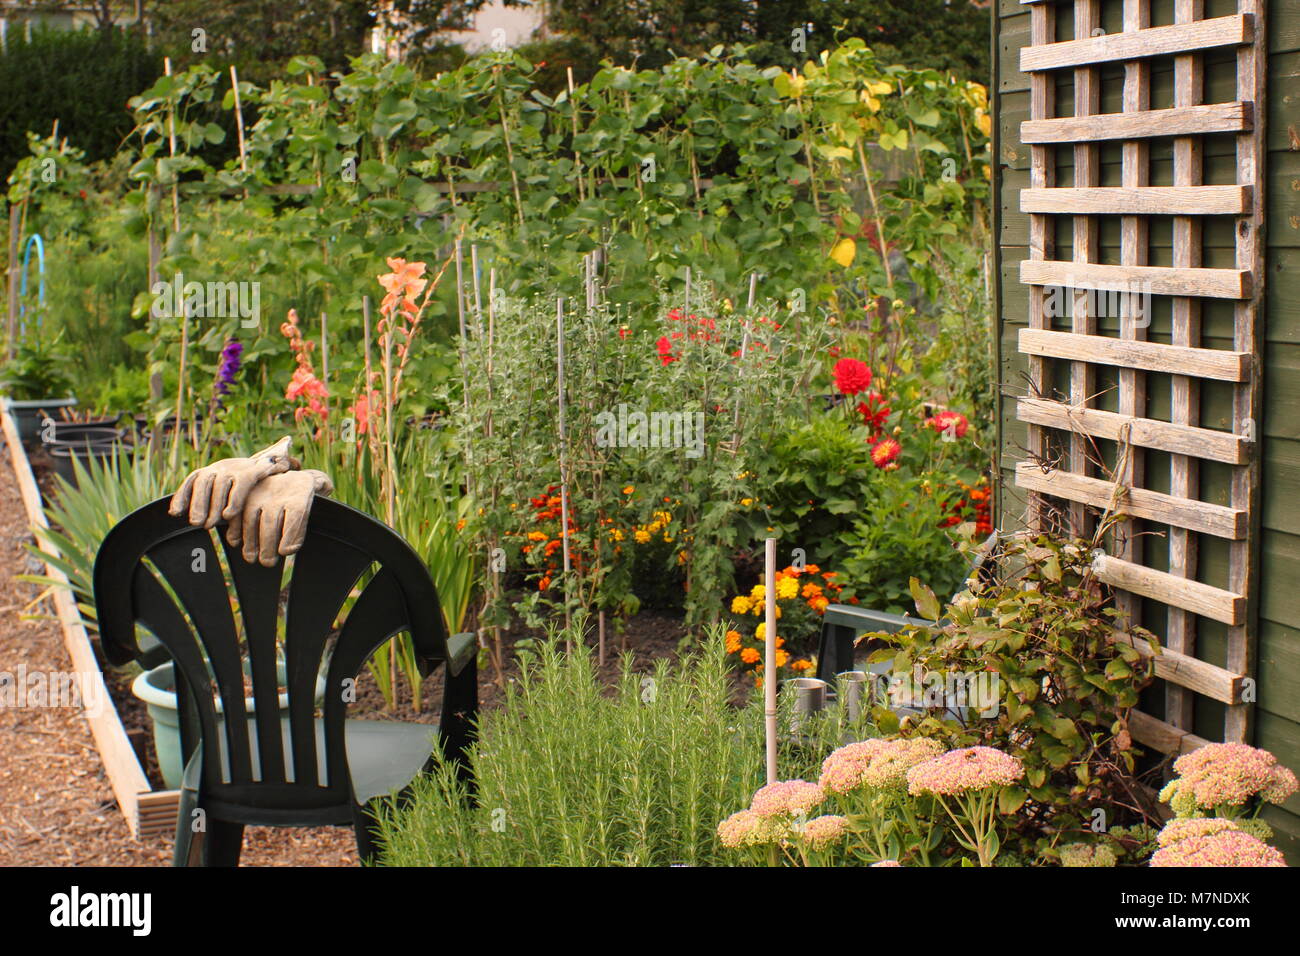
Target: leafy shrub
[(1066, 674), (81, 77), (568, 775), (38, 369)]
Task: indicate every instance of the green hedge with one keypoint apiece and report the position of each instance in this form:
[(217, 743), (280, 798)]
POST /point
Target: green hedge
[(82, 78)]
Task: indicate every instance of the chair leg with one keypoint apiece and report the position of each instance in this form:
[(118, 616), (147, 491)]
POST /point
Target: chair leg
[(186, 852), (223, 843), (459, 715), (363, 823)]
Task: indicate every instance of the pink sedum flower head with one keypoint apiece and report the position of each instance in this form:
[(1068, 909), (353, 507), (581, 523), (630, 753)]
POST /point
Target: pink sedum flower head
[(1231, 774), (957, 771), (1231, 847), (887, 863), (793, 798), (1183, 827), (822, 831), (747, 828), (875, 764)]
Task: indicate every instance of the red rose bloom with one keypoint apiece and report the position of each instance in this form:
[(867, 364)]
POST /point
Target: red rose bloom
[(852, 376)]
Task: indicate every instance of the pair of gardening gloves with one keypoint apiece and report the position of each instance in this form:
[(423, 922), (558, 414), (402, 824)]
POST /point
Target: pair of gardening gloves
[(266, 498)]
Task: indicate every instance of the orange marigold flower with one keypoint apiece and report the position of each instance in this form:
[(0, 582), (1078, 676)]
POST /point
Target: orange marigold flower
[(811, 590), (750, 655), (733, 641)]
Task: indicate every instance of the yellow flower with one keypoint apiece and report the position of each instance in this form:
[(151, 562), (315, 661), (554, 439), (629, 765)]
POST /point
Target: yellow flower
[(757, 592), (761, 631), (536, 536), (642, 536), (740, 604), (746, 501), (787, 588)]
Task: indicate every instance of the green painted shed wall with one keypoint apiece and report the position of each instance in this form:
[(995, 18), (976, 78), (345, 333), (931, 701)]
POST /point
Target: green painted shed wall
[(1277, 715)]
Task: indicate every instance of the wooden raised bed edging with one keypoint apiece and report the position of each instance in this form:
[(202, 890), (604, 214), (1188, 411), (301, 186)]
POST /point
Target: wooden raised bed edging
[(148, 812)]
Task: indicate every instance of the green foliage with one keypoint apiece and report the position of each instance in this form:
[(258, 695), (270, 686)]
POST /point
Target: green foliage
[(902, 537), (81, 78), (38, 369), (946, 35), (726, 410), (80, 515), (820, 490), (568, 775), (1068, 672)]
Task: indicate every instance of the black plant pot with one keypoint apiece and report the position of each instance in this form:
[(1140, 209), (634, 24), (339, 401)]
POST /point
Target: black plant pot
[(80, 433), (63, 456), (28, 415)]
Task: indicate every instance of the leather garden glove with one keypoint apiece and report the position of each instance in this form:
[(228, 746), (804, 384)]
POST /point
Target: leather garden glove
[(273, 523), (217, 492)]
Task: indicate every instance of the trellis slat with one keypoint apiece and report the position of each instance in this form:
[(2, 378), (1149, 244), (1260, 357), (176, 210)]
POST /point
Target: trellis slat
[(1139, 201), (1216, 520), (1155, 41), (1166, 738), (1179, 121), (1190, 672), (1214, 603), (1204, 443), (1218, 364), (1156, 280)]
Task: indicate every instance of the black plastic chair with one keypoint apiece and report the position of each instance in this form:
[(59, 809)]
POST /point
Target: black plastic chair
[(277, 767)]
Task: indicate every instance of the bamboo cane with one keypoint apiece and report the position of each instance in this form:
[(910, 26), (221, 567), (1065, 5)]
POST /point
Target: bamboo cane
[(769, 655), (564, 473)]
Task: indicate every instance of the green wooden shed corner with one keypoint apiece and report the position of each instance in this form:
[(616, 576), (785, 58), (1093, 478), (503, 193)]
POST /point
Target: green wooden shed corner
[(1148, 223)]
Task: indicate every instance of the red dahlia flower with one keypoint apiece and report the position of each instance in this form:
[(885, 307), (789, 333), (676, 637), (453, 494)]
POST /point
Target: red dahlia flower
[(852, 376)]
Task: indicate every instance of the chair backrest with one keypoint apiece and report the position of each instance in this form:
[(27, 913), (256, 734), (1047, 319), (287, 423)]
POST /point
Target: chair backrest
[(223, 620)]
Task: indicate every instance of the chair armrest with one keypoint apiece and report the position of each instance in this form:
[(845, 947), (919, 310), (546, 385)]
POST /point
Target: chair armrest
[(461, 649)]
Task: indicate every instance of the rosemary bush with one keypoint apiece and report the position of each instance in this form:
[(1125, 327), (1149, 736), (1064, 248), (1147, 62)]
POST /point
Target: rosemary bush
[(572, 774)]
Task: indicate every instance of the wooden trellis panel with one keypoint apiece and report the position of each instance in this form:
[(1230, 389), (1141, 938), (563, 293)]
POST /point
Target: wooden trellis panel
[(1065, 477)]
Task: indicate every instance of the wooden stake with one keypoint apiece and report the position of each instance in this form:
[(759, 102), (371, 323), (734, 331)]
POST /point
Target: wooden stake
[(239, 122), (171, 148), (769, 655), (11, 328), (564, 471)]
